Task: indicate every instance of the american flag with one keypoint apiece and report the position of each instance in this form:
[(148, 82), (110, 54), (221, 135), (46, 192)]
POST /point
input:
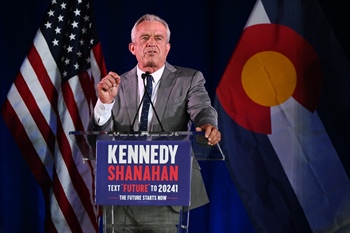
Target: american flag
[(54, 93)]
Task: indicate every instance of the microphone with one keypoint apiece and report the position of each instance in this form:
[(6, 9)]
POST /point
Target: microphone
[(144, 76)]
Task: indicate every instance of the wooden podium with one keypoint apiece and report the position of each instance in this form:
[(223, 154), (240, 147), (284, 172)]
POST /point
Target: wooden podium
[(142, 168)]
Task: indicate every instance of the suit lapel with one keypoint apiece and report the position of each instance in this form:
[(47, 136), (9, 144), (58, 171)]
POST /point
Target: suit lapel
[(166, 85), (130, 92)]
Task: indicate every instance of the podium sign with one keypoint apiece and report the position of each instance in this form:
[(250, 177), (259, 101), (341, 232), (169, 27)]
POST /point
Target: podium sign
[(135, 172)]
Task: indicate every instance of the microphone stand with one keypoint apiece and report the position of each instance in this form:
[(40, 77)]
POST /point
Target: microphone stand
[(143, 76), (150, 100)]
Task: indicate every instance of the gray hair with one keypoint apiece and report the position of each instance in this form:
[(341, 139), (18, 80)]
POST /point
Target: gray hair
[(149, 17)]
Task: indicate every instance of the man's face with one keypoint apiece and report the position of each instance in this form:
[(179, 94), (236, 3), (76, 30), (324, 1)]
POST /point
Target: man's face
[(150, 46)]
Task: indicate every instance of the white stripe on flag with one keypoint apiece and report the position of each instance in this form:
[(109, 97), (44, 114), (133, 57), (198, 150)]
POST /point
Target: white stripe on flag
[(258, 15), (311, 165), (46, 58)]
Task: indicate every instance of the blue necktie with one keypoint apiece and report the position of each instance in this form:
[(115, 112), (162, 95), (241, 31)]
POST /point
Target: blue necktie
[(146, 105)]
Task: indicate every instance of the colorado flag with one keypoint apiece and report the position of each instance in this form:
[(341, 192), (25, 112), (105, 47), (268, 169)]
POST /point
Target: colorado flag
[(284, 105)]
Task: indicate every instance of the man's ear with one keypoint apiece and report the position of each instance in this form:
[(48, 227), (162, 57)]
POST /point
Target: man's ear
[(132, 48), (168, 46)]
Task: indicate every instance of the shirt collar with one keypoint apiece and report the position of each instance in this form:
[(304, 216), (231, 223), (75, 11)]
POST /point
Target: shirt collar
[(156, 75)]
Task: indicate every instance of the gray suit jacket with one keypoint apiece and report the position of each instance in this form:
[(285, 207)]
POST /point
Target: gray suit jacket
[(181, 100)]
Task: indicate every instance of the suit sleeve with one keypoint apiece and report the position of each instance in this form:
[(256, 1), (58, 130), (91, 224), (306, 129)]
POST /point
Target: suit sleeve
[(199, 103)]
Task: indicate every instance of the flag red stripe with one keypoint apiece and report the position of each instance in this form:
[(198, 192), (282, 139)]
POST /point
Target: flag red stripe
[(74, 113), (34, 110), (65, 206), (35, 164), (97, 50), (78, 182), (87, 85), (72, 107), (26, 146), (43, 77)]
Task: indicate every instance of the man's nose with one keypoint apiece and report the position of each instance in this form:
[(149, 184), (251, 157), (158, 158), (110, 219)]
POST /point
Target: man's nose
[(151, 40)]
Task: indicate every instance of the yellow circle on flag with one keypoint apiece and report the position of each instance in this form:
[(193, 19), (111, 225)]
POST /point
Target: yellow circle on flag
[(269, 78)]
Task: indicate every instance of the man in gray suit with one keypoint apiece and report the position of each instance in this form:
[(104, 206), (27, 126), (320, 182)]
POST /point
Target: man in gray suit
[(179, 98)]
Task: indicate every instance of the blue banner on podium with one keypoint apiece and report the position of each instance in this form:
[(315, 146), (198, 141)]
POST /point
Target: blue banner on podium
[(130, 172)]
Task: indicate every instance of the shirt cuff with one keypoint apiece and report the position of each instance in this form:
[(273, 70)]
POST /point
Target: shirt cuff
[(102, 112)]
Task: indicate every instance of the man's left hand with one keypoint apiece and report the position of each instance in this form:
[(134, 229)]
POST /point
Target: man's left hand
[(211, 133)]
